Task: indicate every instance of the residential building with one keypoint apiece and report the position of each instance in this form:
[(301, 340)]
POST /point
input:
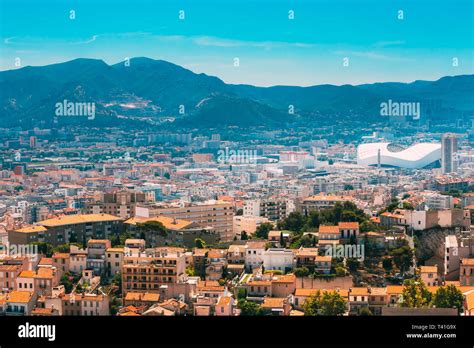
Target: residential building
[(308, 204), (147, 271), (215, 214), (254, 254), (114, 260), (466, 276), (68, 229), (279, 259), (120, 203), (449, 148), (249, 224)]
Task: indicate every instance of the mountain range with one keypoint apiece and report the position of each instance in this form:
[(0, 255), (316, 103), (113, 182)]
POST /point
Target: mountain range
[(147, 89)]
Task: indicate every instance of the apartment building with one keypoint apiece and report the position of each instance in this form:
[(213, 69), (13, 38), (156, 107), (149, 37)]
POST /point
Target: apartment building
[(68, 229), (454, 251), (77, 259), (8, 276), (148, 270), (178, 231), (437, 201), (215, 214), (114, 260), (318, 202), (120, 203), (273, 209), (61, 261), (85, 304), (41, 282), (249, 224), (19, 303), (96, 255)]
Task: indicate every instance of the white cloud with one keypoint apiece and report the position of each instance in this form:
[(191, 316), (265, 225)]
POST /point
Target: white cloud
[(371, 55)]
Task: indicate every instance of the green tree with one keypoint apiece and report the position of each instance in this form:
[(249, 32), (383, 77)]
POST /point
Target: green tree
[(63, 248), (353, 264), (367, 226), (294, 222), (327, 303), (263, 230), (349, 216), (200, 243), (402, 257), (248, 308), (313, 219), (448, 297), (333, 304), (241, 294), (123, 237), (301, 271), (312, 304), (84, 241), (151, 227), (415, 294), (244, 236), (365, 311), (387, 264), (340, 271)]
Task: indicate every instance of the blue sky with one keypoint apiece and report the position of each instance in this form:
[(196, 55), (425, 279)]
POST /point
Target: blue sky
[(271, 48)]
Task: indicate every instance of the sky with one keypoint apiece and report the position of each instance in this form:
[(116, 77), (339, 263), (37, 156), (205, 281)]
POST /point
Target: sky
[(327, 41)]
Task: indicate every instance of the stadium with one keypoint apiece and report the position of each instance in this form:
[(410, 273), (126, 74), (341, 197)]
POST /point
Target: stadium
[(394, 155)]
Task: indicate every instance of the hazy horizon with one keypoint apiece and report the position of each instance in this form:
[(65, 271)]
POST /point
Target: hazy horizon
[(219, 77)]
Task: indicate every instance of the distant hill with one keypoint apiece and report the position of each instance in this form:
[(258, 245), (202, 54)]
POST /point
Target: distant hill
[(156, 88)]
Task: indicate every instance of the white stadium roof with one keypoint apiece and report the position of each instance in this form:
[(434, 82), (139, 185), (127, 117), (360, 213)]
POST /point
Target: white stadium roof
[(413, 157)]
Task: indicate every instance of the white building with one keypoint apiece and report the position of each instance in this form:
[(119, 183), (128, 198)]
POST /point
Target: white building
[(248, 224), (278, 259), (254, 254), (388, 154), (437, 201), (453, 253)]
